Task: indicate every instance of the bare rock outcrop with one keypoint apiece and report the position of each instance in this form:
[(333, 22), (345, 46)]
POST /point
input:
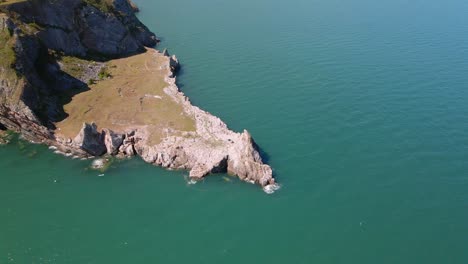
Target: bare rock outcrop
[(91, 140), (112, 141), (80, 27)]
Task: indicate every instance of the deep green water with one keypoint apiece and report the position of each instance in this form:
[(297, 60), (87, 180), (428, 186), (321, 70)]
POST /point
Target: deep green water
[(361, 106)]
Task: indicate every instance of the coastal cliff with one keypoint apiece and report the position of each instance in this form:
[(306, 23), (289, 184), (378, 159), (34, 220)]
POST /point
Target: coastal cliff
[(82, 76)]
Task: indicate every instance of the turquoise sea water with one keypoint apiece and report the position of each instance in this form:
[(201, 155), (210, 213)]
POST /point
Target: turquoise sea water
[(361, 107)]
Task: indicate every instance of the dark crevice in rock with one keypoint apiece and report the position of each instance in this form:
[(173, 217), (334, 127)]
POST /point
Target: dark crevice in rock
[(221, 167)]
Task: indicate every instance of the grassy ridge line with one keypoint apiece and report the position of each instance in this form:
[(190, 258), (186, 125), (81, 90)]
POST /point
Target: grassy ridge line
[(9, 2)]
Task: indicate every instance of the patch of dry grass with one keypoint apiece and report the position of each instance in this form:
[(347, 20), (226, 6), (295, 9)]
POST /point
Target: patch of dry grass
[(9, 2), (73, 66), (132, 97)]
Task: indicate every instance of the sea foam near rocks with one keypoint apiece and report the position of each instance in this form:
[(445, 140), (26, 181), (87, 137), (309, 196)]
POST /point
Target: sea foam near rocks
[(271, 188)]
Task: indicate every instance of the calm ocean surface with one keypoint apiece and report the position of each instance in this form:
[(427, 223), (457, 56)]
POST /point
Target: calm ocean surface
[(360, 105)]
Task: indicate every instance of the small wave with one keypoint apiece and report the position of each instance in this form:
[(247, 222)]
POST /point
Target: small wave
[(98, 164), (271, 188), (191, 182)]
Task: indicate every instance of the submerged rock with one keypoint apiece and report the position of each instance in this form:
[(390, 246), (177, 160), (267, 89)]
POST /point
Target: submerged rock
[(271, 188), (101, 164), (4, 137)]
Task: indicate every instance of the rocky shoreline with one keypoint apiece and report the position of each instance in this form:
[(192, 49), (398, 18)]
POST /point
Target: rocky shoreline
[(210, 148)]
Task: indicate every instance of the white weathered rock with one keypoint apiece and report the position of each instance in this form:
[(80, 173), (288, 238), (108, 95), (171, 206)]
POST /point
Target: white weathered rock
[(99, 164), (90, 140), (212, 148), (112, 141)]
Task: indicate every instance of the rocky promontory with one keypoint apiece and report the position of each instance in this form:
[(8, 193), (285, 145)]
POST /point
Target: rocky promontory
[(82, 76)]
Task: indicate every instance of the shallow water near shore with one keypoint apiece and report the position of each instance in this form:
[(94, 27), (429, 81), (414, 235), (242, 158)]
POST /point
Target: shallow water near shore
[(360, 107)]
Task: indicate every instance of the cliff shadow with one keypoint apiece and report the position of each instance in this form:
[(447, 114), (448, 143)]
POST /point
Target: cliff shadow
[(67, 75), (61, 88)]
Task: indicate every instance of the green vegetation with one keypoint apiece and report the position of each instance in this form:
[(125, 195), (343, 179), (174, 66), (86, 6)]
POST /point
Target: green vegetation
[(73, 66), (8, 71), (9, 2), (31, 28), (104, 74), (7, 52), (7, 65), (103, 5)]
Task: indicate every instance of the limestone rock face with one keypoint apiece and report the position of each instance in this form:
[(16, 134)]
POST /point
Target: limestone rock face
[(174, 65), (212, 148), (127, 147), (77, 27), (112, 141), (105, 34), (54, 14), (125, 7), (246, 161), (90, 140), (59, 39)]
